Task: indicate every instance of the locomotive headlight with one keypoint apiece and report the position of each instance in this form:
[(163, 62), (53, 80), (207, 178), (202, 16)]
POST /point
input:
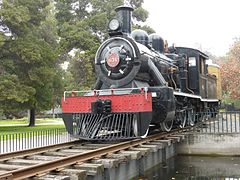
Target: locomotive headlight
[(114, 25)]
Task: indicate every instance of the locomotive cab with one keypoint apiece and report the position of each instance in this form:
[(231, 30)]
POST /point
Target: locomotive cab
[(200, 82), (197, 70)]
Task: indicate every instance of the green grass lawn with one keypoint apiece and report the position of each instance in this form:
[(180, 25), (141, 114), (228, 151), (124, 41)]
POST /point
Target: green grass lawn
[(20, 128), (25, 121), (16, 132)]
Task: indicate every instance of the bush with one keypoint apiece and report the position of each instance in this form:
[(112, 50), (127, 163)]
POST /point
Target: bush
[(2, 116), (14, 114)]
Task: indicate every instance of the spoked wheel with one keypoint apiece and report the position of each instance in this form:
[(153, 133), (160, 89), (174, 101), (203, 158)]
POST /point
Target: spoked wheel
[(208, 115), (182, 118), (167, 125), (135, 128), (204, 116), (191, 117), (145, 135)]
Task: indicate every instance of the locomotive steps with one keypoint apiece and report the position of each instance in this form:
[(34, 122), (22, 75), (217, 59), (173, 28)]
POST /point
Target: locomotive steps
[(99, 161)]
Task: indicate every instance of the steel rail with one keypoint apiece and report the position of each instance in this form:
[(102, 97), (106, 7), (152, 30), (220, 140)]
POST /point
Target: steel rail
[(79, 158), (37, 150)]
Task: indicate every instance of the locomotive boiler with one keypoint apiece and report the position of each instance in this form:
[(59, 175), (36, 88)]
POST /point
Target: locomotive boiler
[(141, 84)]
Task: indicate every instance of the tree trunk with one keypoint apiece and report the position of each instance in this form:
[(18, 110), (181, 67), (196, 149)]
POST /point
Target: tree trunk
[(53, 106), (31, 117), (53, 112)]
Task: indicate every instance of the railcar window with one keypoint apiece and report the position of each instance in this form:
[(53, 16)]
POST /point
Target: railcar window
[(202, 66), (192, 61)]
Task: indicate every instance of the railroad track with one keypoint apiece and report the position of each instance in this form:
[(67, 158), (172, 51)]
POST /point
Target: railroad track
[(65, 159)]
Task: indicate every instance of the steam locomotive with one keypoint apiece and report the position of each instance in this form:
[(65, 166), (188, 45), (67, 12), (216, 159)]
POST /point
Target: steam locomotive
[(141, 85)]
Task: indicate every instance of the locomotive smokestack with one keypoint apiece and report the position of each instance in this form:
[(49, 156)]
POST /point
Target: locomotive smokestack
[(124, 14)]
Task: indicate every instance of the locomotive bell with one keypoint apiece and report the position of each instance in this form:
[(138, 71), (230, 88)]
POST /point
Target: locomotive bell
[(157, 42), (140, 36)]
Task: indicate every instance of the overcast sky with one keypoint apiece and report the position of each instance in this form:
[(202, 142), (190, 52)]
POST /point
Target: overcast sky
[(213, 24)]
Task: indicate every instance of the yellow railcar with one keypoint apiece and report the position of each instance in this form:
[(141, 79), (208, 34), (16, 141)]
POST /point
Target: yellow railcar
[(213, 70)]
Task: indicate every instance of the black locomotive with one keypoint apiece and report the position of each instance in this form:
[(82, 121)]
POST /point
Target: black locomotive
[(141, 85)]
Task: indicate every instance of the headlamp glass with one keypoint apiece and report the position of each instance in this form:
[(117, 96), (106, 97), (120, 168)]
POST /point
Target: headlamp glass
[(114, 25)]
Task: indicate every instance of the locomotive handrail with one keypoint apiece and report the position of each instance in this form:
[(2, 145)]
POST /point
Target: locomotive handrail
[(97, 92), (195, 96), (161, 59)]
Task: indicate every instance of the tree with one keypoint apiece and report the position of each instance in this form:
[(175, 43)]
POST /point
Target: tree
[(146, 28), (82, 27), (234, 52), (28, 57), (213, 57), (83, 62), (230, 72)]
